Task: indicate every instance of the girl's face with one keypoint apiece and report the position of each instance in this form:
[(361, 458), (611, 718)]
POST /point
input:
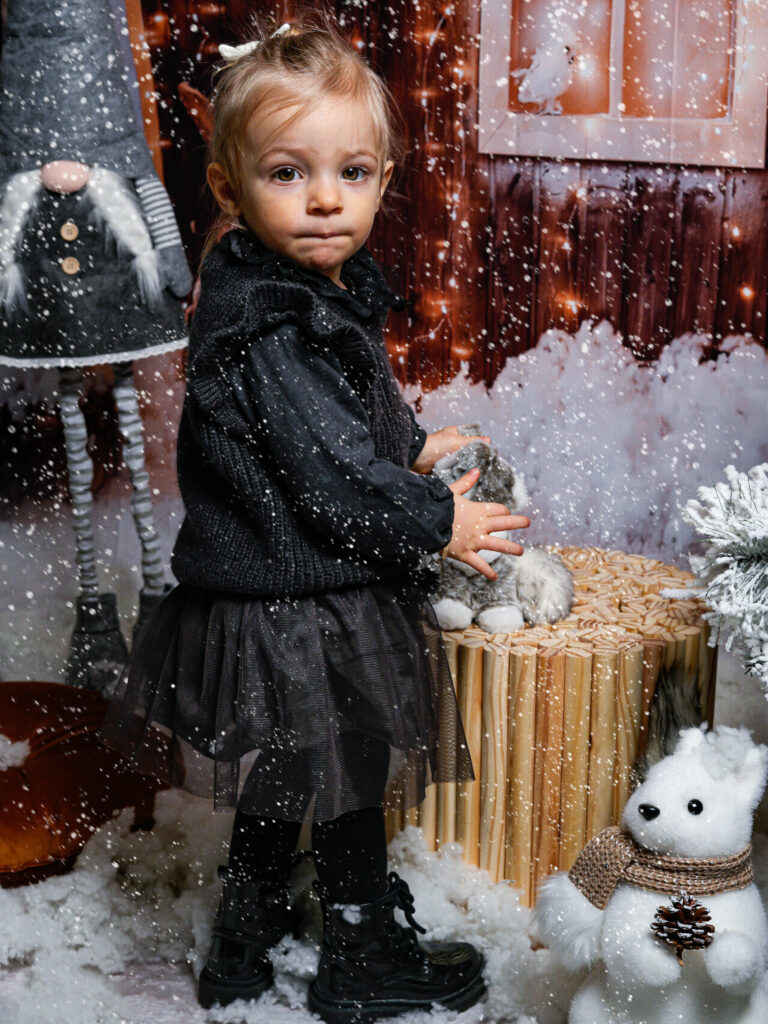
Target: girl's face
[(309, 191)]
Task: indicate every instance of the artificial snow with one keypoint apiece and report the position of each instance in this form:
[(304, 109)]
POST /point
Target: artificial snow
[(123, 936), (12, 754), (610, 451), (73, 948)]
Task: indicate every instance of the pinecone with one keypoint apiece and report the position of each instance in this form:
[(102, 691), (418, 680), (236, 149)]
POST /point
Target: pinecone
[(684, 925)]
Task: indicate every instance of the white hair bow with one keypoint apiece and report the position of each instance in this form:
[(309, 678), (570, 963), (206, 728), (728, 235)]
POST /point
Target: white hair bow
[(233, 53)]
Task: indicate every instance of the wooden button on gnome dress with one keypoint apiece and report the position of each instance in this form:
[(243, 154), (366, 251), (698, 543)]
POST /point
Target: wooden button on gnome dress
[(92, 267)]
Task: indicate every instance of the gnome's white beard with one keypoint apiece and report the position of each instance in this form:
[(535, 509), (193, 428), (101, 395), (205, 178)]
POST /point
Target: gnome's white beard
[(18, 199), (114, 203)]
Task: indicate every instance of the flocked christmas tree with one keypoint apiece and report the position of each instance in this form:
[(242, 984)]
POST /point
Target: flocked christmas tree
[(732, 519)]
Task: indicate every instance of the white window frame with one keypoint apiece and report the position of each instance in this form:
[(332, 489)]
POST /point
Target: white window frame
[(735, 140)]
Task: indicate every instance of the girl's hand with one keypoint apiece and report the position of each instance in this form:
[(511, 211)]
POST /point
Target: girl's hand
[(474, 522), (441, 443)]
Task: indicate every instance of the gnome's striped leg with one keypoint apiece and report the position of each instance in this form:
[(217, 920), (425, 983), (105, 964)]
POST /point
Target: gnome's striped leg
[(154, 587), (80, 477), (129, 422), (97, 650)]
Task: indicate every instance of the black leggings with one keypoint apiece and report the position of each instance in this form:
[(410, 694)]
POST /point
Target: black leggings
[(350, 851)]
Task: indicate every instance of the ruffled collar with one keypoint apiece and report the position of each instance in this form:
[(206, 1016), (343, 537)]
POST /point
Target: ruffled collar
[(367, 293)]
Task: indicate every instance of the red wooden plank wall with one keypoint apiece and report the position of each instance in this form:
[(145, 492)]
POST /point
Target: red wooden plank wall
[(492, 251)]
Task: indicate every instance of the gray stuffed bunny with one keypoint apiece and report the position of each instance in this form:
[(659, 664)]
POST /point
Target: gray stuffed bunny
[(534, 587)]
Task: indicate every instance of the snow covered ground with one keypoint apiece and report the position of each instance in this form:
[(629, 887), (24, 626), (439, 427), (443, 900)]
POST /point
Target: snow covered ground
[(610, 452)]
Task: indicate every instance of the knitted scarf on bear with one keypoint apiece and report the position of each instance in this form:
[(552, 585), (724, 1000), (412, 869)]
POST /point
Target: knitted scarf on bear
[(613, 856)]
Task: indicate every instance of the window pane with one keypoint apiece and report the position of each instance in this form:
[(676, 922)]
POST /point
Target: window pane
[(540, 29), (676, 62)]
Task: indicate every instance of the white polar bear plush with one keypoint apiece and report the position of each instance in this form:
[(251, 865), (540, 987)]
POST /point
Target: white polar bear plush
[(687, 828)]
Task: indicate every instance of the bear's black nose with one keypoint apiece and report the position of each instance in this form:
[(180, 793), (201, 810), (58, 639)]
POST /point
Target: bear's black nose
[(649, 812)]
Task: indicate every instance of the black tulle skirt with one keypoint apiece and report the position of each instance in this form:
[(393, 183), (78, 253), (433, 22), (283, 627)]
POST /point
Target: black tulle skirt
[(284, 705)]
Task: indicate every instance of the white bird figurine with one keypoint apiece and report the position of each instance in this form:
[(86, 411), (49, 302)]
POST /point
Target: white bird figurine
[(548, 77)]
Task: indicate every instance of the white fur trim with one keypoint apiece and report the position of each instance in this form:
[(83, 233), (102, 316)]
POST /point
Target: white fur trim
[(20, 191), (567, 922), (12, 288), (145, 267), (98, 358), (117, 203)]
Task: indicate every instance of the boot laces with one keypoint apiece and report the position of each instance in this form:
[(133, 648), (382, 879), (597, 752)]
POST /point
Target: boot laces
[(404, 900), (400, 938)]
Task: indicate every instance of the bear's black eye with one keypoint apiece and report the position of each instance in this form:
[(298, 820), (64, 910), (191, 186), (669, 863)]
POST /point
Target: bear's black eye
[(695, 806)]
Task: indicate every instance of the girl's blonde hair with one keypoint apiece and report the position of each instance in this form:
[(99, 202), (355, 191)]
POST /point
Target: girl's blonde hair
[(302, 65)]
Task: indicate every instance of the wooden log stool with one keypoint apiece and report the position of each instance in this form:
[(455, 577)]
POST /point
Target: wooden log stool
[(556, 716)]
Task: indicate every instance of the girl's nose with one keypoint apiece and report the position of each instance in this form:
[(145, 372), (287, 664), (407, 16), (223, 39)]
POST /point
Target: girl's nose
[(324, 195)]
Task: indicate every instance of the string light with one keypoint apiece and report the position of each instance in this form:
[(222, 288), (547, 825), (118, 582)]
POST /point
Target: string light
[(357, 40), (428, 35), (461, 351), (397, 349), (432, 305), (158, 31), (569, 301), (746, 292)]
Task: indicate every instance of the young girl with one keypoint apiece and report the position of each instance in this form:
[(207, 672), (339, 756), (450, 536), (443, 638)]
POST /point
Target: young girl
[(300, 643)]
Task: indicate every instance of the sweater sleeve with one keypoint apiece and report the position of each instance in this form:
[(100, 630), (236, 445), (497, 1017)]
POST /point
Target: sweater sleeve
[(418, 436), (313, 426)]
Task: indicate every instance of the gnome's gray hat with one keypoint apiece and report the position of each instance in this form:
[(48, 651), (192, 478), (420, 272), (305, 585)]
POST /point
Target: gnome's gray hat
[(65, 92)]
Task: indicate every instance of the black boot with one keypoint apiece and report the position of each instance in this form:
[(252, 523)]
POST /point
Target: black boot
[(250, 919), (371, 966), (97, 651)]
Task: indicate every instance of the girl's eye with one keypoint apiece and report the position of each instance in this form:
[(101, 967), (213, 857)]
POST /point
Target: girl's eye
[(362, 171), (284, 170)]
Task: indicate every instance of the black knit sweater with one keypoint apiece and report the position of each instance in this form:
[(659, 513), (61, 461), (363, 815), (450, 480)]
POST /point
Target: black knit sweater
[(295, 441)]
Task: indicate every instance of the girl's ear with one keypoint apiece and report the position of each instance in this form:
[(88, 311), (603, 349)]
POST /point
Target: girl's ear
[(222, 190), (386, 174)]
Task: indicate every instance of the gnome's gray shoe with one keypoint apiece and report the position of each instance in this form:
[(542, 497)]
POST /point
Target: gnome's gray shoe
[(147, 604), (97, 651)]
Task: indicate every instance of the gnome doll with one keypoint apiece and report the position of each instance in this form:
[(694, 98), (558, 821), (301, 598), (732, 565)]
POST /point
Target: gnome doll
[(92, 266)]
